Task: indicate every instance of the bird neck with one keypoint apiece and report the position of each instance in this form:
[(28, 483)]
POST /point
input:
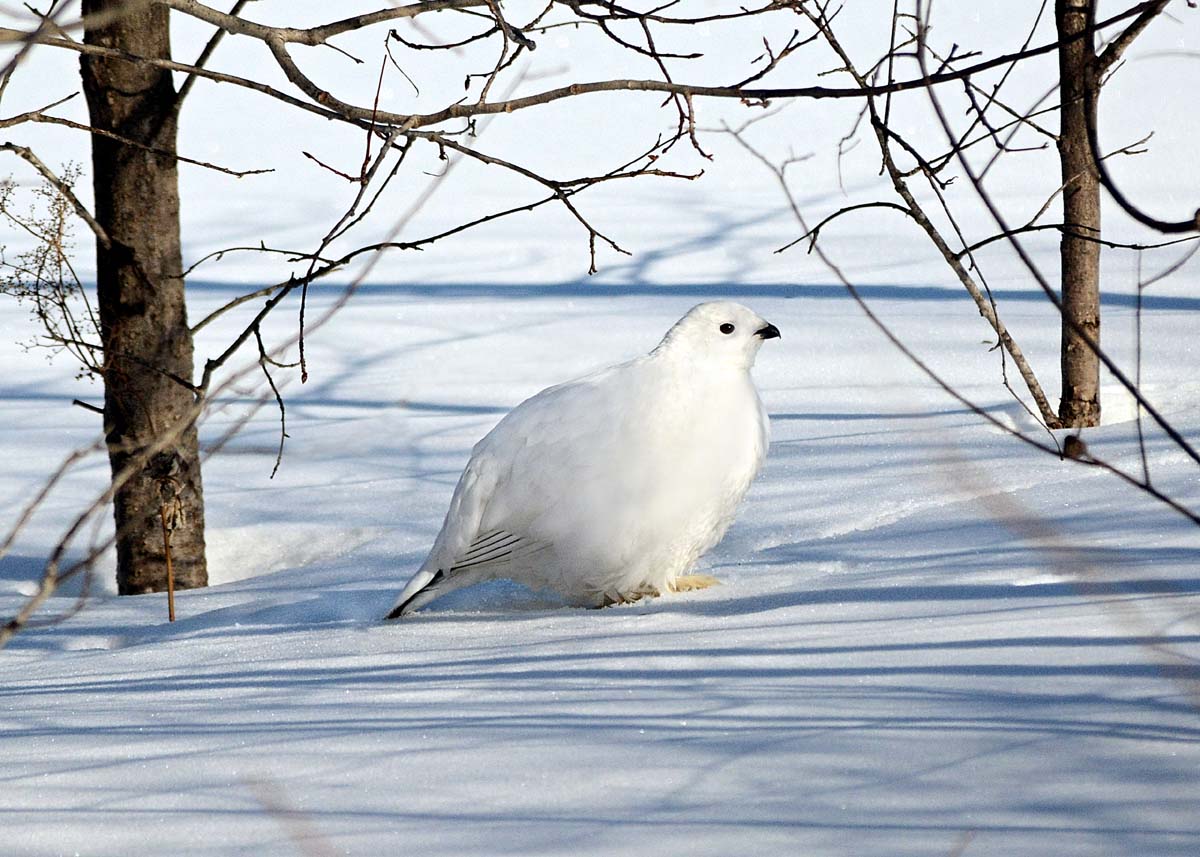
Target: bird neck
[(697, 371), (687, 360)]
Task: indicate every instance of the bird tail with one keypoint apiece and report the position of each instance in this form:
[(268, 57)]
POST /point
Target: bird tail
[(420, 590)]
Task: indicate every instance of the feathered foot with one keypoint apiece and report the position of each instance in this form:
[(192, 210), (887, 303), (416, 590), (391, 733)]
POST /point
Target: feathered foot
[(692, 582), (612, 598)]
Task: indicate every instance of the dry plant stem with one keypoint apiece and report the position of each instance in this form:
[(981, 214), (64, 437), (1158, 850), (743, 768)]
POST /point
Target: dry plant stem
[(63, 188), (916, 212), (166, 531), (47, 278), (1040, 278), (53, 574)]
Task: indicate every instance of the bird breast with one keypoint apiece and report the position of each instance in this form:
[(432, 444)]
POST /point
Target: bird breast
[(638, 488), (673, 481)]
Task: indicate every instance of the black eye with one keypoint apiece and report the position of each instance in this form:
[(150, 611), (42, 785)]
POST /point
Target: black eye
[(726, 328)]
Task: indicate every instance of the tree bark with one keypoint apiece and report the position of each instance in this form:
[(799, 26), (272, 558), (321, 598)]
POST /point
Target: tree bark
[(140, 291), (1079, 76)]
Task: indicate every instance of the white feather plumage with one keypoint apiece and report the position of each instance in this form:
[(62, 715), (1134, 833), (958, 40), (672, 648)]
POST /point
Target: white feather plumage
[(610, 487)]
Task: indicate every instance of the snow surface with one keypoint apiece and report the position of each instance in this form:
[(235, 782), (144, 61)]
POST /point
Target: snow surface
[(930, 640)]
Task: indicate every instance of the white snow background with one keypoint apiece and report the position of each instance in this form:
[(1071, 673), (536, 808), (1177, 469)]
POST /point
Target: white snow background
[(930, 640)]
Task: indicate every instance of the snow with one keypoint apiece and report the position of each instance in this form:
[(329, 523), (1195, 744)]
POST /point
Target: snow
[(930, 638)]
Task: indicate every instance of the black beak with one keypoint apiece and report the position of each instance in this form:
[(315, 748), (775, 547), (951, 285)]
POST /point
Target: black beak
[(768, 332)]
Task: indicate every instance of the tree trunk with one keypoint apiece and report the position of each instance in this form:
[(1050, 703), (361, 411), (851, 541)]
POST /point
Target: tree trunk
[(143, 320), (1078, 73)]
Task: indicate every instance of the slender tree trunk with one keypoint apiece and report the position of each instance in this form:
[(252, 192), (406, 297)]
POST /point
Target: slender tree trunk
[(147, 343), (1078, 73)]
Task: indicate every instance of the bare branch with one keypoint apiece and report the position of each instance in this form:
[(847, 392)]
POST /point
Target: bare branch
[(1040, 278), (40, 116), (263, 360), (983, 303), (1115, 48), (205, 54), (311, 36)]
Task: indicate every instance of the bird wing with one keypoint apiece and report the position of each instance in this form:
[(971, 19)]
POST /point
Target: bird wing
[(550, 455), (462, 554), (530, 483), (495, 549)]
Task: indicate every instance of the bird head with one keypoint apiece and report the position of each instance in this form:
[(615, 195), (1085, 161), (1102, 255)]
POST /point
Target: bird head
[(720, 332)]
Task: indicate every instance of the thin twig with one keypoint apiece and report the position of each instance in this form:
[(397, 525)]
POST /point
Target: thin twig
[(63, 188)]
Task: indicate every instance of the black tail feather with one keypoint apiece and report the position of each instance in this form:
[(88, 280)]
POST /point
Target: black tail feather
[(398, 610)]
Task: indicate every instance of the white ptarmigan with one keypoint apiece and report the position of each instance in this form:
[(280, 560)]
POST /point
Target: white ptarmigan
[(608, 488)]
